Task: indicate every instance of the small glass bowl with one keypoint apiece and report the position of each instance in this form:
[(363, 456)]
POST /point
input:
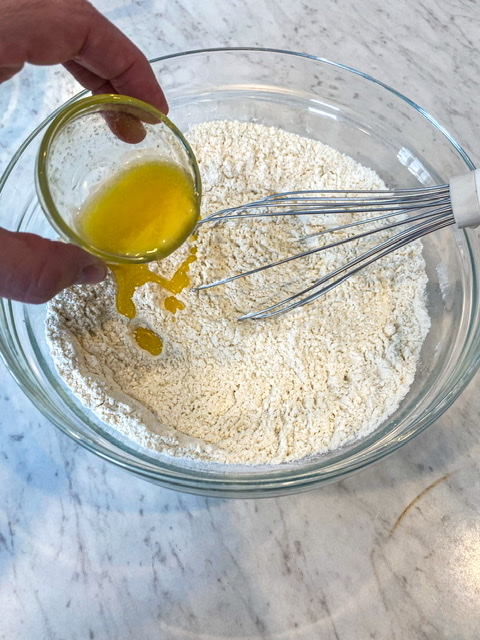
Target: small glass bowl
[(92, 141)]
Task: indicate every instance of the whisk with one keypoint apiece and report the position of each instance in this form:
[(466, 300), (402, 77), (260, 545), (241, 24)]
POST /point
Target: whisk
[(421, 210)]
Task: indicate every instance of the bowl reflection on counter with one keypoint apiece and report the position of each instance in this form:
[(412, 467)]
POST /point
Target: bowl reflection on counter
[(358, 116)]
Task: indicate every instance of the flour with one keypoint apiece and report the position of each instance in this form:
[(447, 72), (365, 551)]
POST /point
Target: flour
[(253, 392)]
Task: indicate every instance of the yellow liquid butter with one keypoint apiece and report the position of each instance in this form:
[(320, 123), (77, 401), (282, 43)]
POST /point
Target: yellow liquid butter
[(131, 276), (147, 210), (148, 340)]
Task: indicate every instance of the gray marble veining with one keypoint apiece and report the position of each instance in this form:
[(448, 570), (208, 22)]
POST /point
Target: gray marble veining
[(393, 553)]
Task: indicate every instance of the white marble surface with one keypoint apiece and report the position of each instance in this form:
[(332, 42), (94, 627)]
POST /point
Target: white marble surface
[(89, 552)]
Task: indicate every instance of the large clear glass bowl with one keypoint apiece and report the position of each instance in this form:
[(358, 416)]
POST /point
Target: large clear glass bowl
[(341, 107)]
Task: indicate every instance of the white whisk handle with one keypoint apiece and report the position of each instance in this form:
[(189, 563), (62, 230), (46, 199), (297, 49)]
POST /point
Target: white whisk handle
[(465, 199)]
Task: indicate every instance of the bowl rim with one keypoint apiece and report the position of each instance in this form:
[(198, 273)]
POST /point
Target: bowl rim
[(260, 484)]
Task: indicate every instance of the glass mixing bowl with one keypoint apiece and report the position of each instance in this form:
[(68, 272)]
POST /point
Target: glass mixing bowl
[(341, 107)]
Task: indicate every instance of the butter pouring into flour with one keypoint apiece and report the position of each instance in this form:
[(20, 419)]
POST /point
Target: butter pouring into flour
[(129, 277), (295, 386)]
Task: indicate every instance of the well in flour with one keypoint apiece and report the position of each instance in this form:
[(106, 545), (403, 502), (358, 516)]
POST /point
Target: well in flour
[(297, 385)]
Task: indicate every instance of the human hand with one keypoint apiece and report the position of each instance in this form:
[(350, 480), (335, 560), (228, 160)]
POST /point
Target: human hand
[(103, 60)]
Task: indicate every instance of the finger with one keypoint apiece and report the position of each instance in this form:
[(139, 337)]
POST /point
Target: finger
[(33, 269), (8, 71), (126, 127), (120, 62), (135, 83), (80, 34)]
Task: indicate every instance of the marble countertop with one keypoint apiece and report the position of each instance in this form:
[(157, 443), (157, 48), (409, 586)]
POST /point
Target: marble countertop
[(393, 553)]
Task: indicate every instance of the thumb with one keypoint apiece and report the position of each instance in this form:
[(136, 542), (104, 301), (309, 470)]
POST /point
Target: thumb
[(34, 269)]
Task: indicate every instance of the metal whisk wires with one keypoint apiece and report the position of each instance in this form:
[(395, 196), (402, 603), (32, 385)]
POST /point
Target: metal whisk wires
[(416, 212)]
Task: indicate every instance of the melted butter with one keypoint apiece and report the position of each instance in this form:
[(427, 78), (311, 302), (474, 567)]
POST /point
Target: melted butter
[(148, 340), (173, 304), (147, 210), (131, 276)]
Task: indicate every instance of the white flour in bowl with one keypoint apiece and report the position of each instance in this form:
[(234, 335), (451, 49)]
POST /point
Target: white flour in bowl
[(252, 392)]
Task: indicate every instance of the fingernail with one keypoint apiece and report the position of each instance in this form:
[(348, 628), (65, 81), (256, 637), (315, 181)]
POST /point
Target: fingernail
[(92, 274)]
